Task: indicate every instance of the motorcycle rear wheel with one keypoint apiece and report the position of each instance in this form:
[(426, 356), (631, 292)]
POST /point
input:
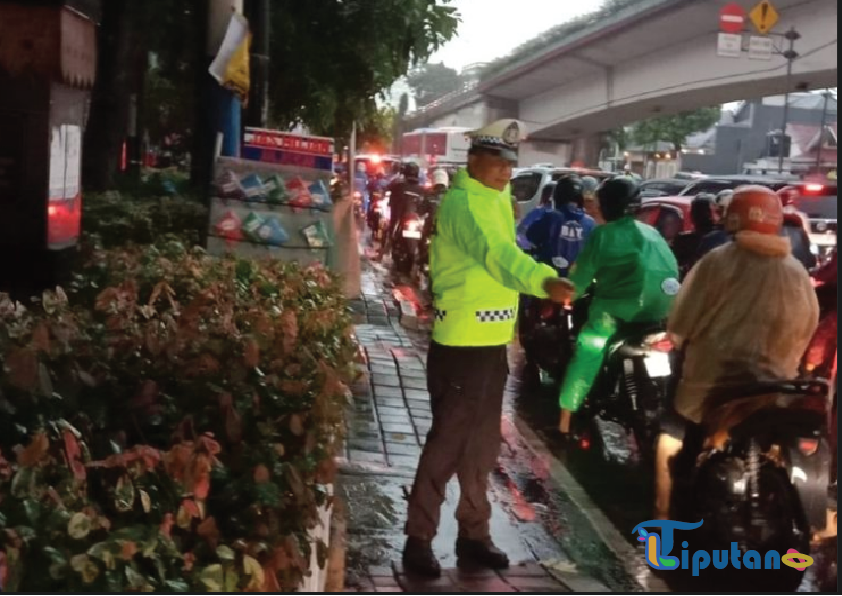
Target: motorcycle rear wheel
[(781, 523)]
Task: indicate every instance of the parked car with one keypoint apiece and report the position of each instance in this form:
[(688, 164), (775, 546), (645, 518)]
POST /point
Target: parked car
[(529, 184), (715, 184), (669, 215), (662, 187), (817, 200)]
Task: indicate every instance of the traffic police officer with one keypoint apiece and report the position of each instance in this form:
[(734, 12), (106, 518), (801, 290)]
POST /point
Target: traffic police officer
[(476, 272)]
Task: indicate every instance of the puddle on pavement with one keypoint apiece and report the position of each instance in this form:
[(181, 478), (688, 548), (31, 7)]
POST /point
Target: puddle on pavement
[(374, 512)]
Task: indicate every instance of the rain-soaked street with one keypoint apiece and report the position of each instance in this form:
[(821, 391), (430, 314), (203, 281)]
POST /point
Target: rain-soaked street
[(565, 513), (534, 520), (609, 471)]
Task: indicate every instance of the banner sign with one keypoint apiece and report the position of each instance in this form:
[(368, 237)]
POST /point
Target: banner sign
[(287, 149)]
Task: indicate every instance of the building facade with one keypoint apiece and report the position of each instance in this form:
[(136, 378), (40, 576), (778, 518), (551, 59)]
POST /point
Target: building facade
[(747, 139)]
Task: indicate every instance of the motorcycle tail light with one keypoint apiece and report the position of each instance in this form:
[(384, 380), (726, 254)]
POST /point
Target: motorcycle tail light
[(808, 446), (412, 224), (659, 343), (584, 443)]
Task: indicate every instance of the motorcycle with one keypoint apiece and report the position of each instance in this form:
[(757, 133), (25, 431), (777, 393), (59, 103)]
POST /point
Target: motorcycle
[(378, 216), (406, 236), (760, 478), (429, 206), (632, 385), (547, 333)]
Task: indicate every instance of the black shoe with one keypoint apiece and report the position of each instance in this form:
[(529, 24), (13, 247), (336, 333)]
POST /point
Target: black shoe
[(419, 559), (480, 553)]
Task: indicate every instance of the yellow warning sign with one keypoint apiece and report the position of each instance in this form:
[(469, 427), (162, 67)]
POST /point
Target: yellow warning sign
[(764, 16)]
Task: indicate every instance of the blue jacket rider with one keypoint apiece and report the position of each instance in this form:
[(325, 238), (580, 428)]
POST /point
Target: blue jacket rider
[(560, 234)]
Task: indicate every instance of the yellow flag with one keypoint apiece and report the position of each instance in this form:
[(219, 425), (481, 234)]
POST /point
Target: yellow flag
[(237, 77)]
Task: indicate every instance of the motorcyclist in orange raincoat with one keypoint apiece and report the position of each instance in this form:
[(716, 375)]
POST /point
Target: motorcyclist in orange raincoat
[(745, 313)]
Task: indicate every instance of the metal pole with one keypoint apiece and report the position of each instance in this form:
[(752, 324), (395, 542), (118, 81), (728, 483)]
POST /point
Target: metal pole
[(352, 151), (227, 109), (792, 35), (821, 132)]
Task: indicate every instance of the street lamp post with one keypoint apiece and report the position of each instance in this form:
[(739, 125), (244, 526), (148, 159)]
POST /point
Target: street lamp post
[(790, 54)]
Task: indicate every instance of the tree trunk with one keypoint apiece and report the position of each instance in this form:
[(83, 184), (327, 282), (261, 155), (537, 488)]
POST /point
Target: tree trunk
[(202, 146), (106, 129), (678, 155), (135, 149)]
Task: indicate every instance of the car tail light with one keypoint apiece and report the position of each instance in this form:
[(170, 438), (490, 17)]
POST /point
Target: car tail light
[(808, 446), (659, 343), (814, 187), (64, 219), (584, 443)]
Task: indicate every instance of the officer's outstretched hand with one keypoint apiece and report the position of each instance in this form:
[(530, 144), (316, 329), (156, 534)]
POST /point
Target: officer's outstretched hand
[(559, 289)]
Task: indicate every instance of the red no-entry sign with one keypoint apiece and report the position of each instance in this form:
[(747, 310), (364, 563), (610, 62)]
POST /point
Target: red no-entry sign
[(732, 18)]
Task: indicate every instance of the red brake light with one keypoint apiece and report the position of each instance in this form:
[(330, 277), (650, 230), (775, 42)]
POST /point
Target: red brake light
[(808, 446), (663, 345), (584, 443), (659, 343), (814, 187)]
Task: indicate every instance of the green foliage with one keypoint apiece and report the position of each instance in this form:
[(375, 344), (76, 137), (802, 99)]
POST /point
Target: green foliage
[(620, 136), (331, 58), (170, 425), (168, 30), (676, 128), (169, 105), (431, 81), (557, 35), (118, 219)]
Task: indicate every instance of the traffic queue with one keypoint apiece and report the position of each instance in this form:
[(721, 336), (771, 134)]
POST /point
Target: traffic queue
[(670, 315)]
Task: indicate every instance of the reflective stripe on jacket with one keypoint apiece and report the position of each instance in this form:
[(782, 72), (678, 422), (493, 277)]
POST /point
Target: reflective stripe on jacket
[(476, 269)]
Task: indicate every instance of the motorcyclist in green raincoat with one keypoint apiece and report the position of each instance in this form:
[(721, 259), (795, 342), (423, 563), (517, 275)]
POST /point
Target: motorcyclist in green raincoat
[(634, 277)]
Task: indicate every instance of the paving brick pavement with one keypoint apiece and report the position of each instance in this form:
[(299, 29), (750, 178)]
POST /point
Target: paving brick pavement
[(388, 423)]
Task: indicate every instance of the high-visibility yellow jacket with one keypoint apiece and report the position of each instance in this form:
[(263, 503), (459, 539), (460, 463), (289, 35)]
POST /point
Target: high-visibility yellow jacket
[(476, 269)]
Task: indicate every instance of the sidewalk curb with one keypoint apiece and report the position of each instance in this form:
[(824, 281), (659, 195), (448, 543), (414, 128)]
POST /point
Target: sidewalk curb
[(602, 526)]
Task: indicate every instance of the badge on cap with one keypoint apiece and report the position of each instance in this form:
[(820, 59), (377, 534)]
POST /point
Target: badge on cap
[(512, 134)]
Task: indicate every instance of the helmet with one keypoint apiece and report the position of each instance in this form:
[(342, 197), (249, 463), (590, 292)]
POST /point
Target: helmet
[(440, 178), (569, 190), (590, 184), (701, 211), (411, 171), (755, 208), (618, 197)]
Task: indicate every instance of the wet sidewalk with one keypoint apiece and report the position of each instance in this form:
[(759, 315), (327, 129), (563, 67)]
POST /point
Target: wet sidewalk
[(387, 427)]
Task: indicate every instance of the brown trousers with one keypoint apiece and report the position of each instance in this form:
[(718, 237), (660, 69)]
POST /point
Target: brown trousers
[(466, 387)]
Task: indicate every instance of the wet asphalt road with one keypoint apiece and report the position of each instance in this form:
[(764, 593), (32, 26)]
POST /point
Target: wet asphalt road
[(621, 486)]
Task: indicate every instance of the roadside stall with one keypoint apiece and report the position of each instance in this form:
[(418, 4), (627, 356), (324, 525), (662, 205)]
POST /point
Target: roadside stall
[(275, 200)]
